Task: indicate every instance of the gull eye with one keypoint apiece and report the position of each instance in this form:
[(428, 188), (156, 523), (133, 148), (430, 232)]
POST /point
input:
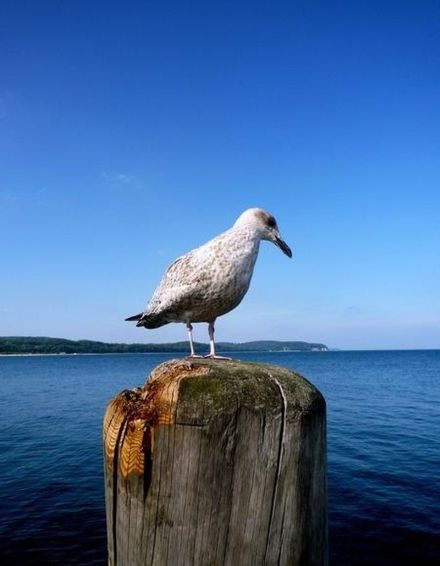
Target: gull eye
[(271, 222)]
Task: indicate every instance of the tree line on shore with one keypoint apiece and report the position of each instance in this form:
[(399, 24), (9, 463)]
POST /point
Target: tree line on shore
[(45, 345)]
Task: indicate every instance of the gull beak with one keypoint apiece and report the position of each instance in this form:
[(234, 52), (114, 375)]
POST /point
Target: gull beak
[(283, 246)]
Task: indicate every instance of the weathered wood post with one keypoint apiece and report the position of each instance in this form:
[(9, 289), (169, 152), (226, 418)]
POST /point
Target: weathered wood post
[(216, 463)]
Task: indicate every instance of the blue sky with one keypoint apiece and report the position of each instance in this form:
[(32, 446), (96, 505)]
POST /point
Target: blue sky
[(132, 132)]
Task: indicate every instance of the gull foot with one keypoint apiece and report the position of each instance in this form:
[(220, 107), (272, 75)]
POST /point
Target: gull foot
[(194, 356), (215, 357)]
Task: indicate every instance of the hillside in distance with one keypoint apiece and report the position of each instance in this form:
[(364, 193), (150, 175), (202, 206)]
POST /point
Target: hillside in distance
[(44, 345)]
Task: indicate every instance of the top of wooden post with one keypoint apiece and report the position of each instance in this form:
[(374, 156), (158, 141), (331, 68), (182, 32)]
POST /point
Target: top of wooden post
[(195, 391)]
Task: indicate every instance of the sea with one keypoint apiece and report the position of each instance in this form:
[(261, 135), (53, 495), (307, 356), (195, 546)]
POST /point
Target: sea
[(383, 452)]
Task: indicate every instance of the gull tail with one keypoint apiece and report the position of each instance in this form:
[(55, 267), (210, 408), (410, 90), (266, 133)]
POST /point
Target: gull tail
[(135, 317), (147, 320)]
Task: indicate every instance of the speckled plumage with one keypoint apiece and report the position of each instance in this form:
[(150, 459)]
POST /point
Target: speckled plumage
[(213, 279), (208, 281)]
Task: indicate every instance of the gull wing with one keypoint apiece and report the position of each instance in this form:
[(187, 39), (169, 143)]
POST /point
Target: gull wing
[(180, 286)]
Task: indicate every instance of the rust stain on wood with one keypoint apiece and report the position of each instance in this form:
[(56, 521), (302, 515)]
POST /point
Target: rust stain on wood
[(139, 411)]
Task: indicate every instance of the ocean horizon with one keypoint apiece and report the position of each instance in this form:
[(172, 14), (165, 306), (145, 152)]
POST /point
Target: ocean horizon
[(181, 355)]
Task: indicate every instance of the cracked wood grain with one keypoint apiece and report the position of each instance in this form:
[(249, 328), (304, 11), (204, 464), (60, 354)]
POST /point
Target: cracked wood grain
[(216, 463)]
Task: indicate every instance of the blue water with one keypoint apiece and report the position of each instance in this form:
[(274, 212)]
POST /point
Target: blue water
[(383, 453)]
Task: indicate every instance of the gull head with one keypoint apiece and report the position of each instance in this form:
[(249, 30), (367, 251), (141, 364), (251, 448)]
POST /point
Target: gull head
[(265, 227)]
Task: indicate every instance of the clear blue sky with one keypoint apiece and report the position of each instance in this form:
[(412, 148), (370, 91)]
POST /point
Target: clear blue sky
[(131, 132)]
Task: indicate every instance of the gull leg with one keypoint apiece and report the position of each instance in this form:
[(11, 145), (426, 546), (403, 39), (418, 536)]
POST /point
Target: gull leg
[(191, 344), (212, 354)]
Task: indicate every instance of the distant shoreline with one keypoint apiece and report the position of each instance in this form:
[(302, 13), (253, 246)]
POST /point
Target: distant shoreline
[(329, 351), (38, 354), (42, 345)]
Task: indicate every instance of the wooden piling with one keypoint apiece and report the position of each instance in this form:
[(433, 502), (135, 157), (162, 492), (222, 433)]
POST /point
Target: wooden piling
[(216, 463)]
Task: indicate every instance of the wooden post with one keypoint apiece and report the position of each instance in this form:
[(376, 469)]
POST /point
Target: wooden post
[(216, 463)]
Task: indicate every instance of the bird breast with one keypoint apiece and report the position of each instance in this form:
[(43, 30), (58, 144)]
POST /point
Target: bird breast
[(226, 277)]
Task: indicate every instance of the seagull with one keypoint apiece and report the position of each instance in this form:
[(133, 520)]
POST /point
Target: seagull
[(211, 280)]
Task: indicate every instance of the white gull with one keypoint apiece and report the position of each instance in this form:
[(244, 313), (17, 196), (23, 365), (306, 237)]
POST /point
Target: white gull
[(213, 279)]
